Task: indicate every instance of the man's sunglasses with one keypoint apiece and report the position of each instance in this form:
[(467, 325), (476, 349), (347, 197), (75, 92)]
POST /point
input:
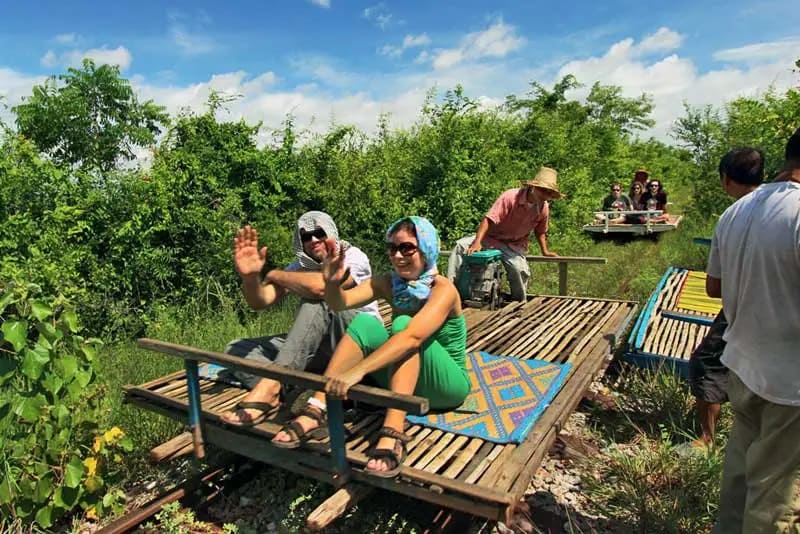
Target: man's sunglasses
[(651, 186), (319, 233), (406, 249)]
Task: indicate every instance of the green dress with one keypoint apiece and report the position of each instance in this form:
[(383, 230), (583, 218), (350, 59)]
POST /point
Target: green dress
[(443, 377)]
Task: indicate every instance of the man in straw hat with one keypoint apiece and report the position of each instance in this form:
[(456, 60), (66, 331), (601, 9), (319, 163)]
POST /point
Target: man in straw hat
[(312, 338), (508, 225)]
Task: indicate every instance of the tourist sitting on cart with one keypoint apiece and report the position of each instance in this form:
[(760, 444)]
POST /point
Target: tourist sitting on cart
[(616, 200), (508, 226), (315, 330), (655, 198), (425, 354)]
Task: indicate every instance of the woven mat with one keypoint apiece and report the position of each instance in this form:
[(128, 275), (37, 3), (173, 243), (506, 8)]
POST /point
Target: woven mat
[(508, 396)]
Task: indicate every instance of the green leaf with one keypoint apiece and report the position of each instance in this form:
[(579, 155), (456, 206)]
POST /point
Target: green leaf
[(89, 352), (5, 300), (52, 383), (66, 497), (41, 310), (8, 366), (16, 333), (126, 444), (49, 332), (83, 377), (33, 362), (93, 484), (73, 473), (6, 491), (44, 517), (67, 366), (30, 408), (44, 488), (61, 413), (70, 319)]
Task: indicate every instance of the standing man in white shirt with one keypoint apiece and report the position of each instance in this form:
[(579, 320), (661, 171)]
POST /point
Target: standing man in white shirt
[(754, 266), (316, 330)]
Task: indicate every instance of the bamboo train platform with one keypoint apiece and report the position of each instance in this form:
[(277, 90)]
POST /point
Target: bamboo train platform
[(665, 333), (457, 472)]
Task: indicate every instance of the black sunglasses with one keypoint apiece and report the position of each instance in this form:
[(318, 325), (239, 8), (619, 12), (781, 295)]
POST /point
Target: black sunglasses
[(653, 185), (406, 249), (319, 233)]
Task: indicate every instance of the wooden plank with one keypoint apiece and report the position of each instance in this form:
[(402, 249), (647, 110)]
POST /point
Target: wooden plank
[(548, 259), (336, 505), (443, 458), (562, 278), (372, 395), (463, 458)]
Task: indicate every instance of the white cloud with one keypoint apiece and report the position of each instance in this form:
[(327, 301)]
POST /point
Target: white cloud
[(66, 38), (409, 41), (663, 40), (672, 80), (321, 3), (13, 87), (191, 43), (120, 56), (788, 49), (49, 59), (498, 40), (379, 15)]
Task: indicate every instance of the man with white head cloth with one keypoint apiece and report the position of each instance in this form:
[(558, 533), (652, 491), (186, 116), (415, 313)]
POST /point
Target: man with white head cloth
[(312, 338)]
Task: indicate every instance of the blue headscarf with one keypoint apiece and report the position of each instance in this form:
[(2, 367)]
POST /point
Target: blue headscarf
[(411, 294)]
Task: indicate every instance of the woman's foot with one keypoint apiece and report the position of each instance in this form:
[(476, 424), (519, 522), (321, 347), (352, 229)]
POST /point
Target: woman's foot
[(386, 458)]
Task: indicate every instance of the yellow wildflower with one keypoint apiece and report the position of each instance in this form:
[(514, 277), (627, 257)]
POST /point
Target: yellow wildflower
[(98, 443), (91, 465), (113, 435)]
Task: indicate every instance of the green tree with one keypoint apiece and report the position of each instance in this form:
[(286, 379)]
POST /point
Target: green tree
[(92, 119)]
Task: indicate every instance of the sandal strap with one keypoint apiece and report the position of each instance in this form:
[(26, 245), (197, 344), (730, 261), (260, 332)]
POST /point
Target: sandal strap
[(315, 414), (394, 434), (390, 456)]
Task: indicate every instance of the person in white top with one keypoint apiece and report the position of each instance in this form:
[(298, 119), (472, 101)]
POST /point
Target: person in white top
[(316, 330), (754, 266)]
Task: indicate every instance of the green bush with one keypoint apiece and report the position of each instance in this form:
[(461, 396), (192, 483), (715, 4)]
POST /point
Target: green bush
[(54, 458)]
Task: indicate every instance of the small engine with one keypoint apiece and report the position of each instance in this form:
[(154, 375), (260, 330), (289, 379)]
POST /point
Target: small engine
[(479, 279)]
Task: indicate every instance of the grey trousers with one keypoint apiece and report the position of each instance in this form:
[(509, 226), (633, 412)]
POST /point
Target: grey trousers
[(308, 345), (518, 271)]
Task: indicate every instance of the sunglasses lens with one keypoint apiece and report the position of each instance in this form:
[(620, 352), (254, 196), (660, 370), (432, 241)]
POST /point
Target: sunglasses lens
[(319, 233), (405, 249)]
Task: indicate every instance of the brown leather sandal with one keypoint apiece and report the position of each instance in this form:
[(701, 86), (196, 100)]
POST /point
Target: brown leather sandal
[(267, 410), (300, 435), (392, 457)]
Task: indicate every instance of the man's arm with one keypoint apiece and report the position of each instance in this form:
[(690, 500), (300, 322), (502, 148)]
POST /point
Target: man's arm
[(483, 229), (259, 295), (542, 239), (713, 287), (307, 285)]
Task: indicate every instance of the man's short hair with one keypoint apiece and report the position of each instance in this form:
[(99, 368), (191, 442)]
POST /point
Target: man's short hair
[(793, 147), (744, 166)]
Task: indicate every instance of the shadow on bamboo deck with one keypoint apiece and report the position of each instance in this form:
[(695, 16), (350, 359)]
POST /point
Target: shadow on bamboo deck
[(462, 473)]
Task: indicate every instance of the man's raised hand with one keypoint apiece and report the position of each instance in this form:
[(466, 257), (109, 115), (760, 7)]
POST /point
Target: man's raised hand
[(247, 258), (333, 269)]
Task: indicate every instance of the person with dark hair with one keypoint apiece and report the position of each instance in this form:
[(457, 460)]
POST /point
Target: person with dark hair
[(425, 354), (507, 227), (616, 200), (655, 198), (741, 171), (754, 266), (316, 329)]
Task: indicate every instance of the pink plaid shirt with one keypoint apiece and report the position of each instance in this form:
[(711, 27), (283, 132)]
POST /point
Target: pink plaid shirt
[(514, 220)]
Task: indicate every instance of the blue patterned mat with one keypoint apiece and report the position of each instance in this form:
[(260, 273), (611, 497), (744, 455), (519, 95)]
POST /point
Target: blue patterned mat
[(508, 396)]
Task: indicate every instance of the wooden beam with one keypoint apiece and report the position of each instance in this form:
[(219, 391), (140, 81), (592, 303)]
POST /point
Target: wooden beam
[(372, 395), (562, 278), (337, 504), (547, 259)]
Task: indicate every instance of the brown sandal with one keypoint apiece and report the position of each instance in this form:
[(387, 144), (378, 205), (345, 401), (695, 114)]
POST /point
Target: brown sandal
[(267, 411), (298, 434), (392, 457)]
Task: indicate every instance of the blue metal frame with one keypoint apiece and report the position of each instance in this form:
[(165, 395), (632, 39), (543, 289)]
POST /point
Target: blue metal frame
[(341, 467), (195, 422), (686, 318)]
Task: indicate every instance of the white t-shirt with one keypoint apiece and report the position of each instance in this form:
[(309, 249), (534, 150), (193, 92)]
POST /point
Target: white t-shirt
[(360, 270), (756, 253)]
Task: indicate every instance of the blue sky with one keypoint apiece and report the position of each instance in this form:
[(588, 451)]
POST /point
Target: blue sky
[(349, 61)]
